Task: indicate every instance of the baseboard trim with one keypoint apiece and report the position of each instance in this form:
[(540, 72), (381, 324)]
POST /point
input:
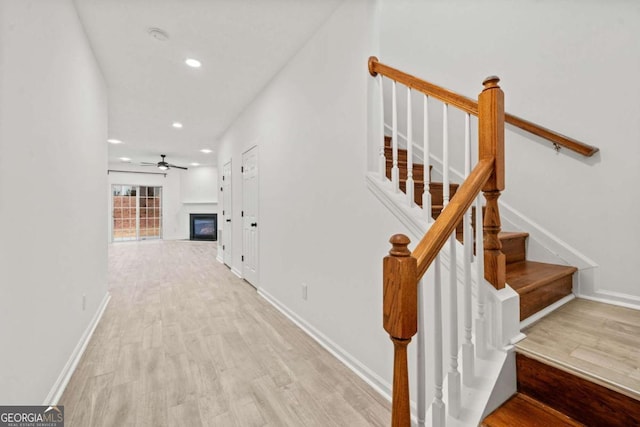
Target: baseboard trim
[(614, 298), (69, 368), (366, 374), (237, 272)]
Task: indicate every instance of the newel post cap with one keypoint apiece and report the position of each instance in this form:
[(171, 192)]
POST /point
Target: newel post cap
[(491, 82), (399, 243)]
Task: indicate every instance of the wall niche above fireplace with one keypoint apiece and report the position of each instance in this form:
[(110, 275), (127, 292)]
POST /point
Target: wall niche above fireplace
[(203, 227)]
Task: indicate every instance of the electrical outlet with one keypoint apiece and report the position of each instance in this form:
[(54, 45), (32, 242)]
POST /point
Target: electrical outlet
[(304, 291), (84, 302)]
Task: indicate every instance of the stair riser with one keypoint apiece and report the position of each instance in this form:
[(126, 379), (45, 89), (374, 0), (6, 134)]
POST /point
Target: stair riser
[(402, 154), (542, 297), (436, 190), (580, 399), (514, 249), (418, 171)]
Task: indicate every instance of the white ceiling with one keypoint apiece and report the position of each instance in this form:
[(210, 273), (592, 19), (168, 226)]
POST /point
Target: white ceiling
[(242, 44)]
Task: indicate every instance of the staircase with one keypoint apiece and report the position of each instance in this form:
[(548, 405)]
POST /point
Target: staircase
[(547, 396), (508, 284), (538, 284)]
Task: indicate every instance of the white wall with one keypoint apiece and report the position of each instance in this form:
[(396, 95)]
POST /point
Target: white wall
[(199, 194), (319, 224), (53, 159), (571, 66), (183, 192)]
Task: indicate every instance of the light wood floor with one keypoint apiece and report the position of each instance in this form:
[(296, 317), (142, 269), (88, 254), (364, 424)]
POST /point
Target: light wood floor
[(600, 342), (184, 342)]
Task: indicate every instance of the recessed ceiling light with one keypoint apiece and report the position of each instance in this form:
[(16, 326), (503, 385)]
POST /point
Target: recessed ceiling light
[(114, 141), (193, 63), (125, 159), (206, 151), (177, 125), (195, 164)]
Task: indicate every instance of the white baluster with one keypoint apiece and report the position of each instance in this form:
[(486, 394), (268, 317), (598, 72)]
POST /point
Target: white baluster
[(395, 176), (481, 327), (445, 155), (421, 369), (426, 195), (467, 346), (454, 374), (382, 165), (410, 188), (437, 407)]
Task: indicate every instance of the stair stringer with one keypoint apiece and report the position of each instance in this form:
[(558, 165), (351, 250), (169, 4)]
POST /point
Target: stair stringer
[(495, 384)]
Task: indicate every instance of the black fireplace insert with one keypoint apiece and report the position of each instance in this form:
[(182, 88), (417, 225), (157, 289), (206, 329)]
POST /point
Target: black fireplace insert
[(203, 227)]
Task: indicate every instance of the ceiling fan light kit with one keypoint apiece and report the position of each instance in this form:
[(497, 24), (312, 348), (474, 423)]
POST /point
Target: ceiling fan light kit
[(163, 165)]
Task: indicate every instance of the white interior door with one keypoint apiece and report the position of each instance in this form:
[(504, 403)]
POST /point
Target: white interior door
[(250, 216), (227, 214)]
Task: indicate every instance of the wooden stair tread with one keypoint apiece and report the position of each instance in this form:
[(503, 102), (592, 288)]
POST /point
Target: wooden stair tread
[(508, 235), (526, 276), (416, 181), (523, 411)]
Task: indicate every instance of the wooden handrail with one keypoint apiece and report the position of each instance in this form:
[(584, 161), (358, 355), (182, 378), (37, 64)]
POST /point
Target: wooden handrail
[(555, 137), (429, 247), (438, 92), (471, 106)]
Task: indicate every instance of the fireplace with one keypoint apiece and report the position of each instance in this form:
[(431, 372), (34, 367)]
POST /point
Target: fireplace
[(203, 226)]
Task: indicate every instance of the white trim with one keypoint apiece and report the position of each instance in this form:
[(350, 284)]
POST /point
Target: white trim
[(237, 272), (69, 368), (219, 258), (614, 298), (366, 374), (411, 217), (547, 310), (213, 202)]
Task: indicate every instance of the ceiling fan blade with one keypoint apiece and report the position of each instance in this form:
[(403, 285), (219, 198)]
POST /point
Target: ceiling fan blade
[(148, 164), (178, 167)]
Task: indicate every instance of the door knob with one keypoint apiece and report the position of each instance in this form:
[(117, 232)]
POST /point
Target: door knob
[(228, 220), (254, 224)]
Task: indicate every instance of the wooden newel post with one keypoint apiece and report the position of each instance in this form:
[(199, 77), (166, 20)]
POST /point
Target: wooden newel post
[(400, 319), (491, 140)]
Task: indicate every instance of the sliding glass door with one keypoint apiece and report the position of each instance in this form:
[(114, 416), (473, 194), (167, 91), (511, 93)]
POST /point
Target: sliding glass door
[(137, 212)]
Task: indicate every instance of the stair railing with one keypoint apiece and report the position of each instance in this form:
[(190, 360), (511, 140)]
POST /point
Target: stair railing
[(403, 269)]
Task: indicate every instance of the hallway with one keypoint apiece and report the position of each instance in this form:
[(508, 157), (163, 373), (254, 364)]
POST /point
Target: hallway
[(184, 342)]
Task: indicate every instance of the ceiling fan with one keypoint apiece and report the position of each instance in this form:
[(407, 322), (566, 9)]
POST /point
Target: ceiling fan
[(162, 164)]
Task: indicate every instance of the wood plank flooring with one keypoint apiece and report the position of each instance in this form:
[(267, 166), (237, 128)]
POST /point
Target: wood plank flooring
[(599, 342), (184, 342)]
